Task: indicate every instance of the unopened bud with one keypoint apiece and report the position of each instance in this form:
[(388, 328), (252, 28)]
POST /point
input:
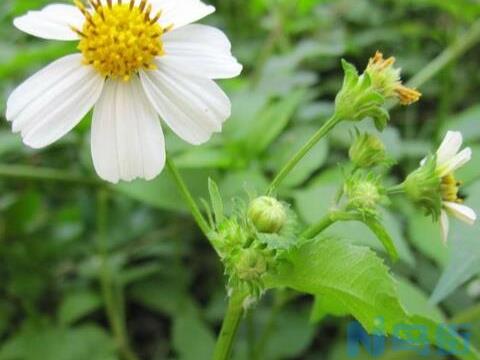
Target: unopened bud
[(364, 193), (367, 151), (267, 214), (250, 265)]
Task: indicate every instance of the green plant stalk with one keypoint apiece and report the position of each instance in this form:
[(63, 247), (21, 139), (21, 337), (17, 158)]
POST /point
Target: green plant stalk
[(327, 221), (112, 294), (189, 200), (292, 163), (46, 174), (457, 49), (231, 322)]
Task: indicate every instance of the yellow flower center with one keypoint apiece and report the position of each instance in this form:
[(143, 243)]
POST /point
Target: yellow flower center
[(450, 187), (120, 39)]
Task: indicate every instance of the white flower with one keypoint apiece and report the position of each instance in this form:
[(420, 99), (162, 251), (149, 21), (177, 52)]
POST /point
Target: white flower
[(449, 159), (138, 59)]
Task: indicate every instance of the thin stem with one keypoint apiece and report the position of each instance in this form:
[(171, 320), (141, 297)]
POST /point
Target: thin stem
[(230, 325), (464, 43), (189, 200), (292, 163), (112, 294), (467, 316), (327, 221), (46, 174), (397, 189)]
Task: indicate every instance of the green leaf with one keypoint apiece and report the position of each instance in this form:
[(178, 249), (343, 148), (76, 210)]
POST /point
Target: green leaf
[(464, 259), (356, 278), (162, 192), (77, 305), (192, 338), (271, 122), (216, 200)]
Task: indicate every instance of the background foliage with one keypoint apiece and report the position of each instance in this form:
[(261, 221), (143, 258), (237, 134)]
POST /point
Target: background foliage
[(67, 248)]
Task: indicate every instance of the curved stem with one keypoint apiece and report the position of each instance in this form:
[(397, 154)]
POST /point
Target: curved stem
[(231, 321), (327, 221), (189, 200), (464, 43), (40, 173), (290, 165), (111, 292)]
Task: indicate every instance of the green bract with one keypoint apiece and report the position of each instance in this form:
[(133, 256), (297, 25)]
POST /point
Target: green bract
[(423, 187), (358, 99)]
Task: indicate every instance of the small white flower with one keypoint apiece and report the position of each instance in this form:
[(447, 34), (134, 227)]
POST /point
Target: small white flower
[(449, 159), (138, 59)]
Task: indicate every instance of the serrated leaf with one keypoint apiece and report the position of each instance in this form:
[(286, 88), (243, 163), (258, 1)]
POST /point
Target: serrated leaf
[(359, 280)]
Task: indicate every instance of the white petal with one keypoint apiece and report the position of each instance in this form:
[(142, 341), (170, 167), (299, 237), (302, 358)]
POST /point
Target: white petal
[(450, 146), (456, 162), (461, 212), (181, 12), (51, 102), (53, 22), (127, 140), (444, 226), (194, 108), (202, 51)]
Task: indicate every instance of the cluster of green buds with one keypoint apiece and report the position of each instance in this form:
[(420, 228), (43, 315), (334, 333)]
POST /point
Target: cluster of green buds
[(365, 95), (251, 241)]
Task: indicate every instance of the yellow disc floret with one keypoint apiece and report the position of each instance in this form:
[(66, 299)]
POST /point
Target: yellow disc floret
[(120, 39), (450, 189)]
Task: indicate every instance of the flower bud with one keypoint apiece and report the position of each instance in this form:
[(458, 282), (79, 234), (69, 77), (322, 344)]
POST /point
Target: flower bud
[(364, 193), (230, 235), (423, 188), (387, 81), (250, 265), (367, 151), (267, 214)]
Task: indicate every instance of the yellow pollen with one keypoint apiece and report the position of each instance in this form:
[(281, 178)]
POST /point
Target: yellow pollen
[(120, 39), (450, 188)]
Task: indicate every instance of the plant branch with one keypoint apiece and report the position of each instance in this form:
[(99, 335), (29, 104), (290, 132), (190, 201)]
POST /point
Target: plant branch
[(230, 325), (188, 197), (112, 294), (463, 44), (292, 163), (328, 220), (46, 174)]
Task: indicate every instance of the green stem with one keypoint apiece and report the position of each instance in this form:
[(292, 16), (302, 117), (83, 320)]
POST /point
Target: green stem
[(328, 220), (39, 173), (111, 292), (290, 165), (230, 325), (464, 43), (467, 316), (189, 200), (397, 189)]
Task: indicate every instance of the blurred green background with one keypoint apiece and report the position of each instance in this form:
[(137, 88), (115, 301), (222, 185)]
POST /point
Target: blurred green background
[(68, 249)]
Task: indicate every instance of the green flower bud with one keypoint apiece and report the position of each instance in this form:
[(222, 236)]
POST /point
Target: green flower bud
[(250, 265), (230, 234), (359, 99), (267, 214), (367, 151), (364, 193), (423, 188)]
